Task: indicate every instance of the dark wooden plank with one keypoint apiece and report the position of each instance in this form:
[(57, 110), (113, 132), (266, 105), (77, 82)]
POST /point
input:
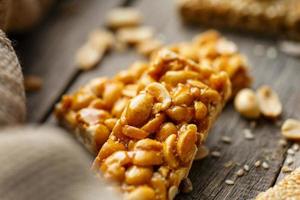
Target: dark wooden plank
[(209, 175), (49, 50)]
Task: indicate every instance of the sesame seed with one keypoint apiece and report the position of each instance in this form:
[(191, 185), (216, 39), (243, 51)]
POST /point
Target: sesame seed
[(240, 172), (257, 163), (289, 160), (291, 151), (286, 169), (228, 164), (248, 134), (226, 139), (229, 182), (265, 165), (246, 168), (215, 154)]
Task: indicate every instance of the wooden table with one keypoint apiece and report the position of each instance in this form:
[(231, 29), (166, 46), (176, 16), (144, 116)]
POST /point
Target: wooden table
[(49, 53)]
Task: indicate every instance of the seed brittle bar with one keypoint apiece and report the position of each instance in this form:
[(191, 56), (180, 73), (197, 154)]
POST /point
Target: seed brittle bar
[(153, 144), (288, 188), (272, 17), (91, 112)]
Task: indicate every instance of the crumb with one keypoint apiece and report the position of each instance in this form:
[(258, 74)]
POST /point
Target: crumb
[(229, 182), (246, 168), (257, 163), (248, 134), (265, 165), (215, 154), (226, 139)]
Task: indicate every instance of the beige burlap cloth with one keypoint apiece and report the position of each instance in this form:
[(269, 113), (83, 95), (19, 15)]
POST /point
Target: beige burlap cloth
[(43, 163), (12, 98)]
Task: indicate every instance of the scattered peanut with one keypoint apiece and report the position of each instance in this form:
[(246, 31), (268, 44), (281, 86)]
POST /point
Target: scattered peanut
[(134, 35), (32, 83), (246, 104), (269, 102), (123, 17), (291, 129)]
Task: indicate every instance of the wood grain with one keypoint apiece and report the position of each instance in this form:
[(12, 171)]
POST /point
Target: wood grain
[(209, 175), (49, 50)]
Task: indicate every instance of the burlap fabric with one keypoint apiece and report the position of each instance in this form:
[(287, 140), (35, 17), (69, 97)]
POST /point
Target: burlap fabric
[(44, 163), (12, 98), (21, 15)]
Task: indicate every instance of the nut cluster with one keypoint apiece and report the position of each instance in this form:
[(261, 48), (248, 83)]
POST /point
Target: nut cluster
[(92, 111), (153, 144), (213, 50)]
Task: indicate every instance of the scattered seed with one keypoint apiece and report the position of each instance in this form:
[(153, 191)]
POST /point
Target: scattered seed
[(186, 185), (32, 83), (228, 164), (265, 165), (295, 147), (271, 52), (282, 142), (257, 163), (291, 151), (240, 172), (215, 154), (259, 50), (248, 134), (286, 169), (246, 168), (226, 139), (289, 160), (229, 182)]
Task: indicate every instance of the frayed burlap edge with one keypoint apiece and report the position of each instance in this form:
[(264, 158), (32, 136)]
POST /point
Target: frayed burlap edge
[(12, 97)]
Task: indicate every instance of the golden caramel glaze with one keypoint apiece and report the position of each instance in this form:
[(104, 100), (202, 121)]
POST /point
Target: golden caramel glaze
[(141, 155)]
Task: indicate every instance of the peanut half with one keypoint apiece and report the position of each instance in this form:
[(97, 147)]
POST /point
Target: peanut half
[(269, 102), (291, 129), (246, 103)]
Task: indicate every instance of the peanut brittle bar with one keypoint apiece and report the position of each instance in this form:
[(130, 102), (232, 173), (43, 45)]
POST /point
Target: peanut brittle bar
[(92, 111), (153, 144), (272, 17)]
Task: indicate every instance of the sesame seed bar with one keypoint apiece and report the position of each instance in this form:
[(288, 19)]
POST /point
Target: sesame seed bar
[(288, 188), (271, 17)]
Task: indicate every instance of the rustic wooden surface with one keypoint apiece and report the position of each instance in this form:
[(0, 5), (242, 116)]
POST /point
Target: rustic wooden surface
[(49, 53)]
